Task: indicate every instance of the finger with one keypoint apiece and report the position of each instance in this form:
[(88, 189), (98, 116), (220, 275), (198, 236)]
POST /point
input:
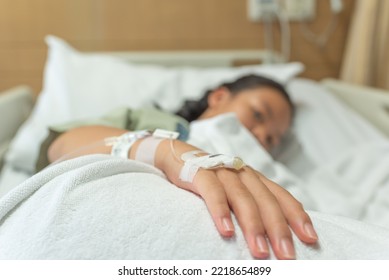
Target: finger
[(272, 216), (209, 187), (246, 212), (294, 212)]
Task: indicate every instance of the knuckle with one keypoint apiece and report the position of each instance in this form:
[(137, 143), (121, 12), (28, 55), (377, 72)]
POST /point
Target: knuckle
[(225, 174), (280, 227)]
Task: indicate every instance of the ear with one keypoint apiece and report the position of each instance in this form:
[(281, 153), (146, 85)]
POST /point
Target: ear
[(218, 97)]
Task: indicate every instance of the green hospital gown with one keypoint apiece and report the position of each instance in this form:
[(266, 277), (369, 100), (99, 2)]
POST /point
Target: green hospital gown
[(123, 118)]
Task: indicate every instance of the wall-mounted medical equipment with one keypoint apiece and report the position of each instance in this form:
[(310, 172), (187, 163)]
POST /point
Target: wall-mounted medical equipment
[(261, 10), (284, 11), (295, 10)]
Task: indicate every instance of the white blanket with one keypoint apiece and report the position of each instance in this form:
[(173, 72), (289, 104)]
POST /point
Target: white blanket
[(100, 207)]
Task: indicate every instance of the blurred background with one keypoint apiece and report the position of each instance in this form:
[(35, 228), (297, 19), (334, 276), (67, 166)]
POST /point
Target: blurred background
[(322, 34)]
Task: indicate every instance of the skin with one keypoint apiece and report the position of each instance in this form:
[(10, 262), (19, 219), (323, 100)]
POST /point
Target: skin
[(266, 212)]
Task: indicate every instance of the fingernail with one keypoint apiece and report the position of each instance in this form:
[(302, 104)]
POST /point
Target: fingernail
[(262, 245), (227, 224), (287, 249), (310, 231)]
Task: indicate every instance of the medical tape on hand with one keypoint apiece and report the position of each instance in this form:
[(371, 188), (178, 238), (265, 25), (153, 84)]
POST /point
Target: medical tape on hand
[(193, 163)]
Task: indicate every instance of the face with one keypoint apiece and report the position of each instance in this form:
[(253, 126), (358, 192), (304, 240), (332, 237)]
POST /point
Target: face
[(264, 111)]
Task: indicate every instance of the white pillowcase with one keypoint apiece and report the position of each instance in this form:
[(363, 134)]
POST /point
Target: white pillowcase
[(323, 128), (78, 85)]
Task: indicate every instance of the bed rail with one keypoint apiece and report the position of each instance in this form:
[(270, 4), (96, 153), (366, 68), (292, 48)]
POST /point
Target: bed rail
[(196, 58), (371, 103), (15, 106)]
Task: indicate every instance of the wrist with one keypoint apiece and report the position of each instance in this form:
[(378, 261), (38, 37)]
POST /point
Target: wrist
[(163, 153), (168, 158), (164, 158)]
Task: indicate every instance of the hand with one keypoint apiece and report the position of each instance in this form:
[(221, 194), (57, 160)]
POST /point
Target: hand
[(264, 210)]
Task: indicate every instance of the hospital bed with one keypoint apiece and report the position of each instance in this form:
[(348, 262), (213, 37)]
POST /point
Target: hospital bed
[(336, 154)]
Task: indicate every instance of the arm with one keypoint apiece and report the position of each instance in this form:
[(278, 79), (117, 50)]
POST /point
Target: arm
[(263, 209)]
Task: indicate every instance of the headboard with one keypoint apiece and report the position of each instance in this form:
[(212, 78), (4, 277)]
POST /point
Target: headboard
[(200, 58)]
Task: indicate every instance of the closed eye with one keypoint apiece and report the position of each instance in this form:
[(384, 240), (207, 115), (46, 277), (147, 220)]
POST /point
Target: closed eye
[(259, 116)]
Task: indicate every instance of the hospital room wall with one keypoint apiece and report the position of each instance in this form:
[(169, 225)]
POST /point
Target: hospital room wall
[(121, 25)]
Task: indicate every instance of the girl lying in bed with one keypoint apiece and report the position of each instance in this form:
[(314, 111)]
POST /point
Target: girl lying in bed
[(263, 209)]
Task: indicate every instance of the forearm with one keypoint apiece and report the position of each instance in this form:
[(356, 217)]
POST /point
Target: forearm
[(82, 139)]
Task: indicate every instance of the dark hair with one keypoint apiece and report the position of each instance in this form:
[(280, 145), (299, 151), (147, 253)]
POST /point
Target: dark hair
[(192, 109)]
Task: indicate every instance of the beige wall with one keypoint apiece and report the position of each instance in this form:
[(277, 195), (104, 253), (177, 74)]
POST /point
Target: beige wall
[(148, 25)]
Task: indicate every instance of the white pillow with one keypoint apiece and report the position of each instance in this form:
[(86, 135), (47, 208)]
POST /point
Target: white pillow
[(322, 130), (78, 85), (325, 126)]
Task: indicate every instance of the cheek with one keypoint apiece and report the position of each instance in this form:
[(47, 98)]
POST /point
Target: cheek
[(246, 118), (284, 122)]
